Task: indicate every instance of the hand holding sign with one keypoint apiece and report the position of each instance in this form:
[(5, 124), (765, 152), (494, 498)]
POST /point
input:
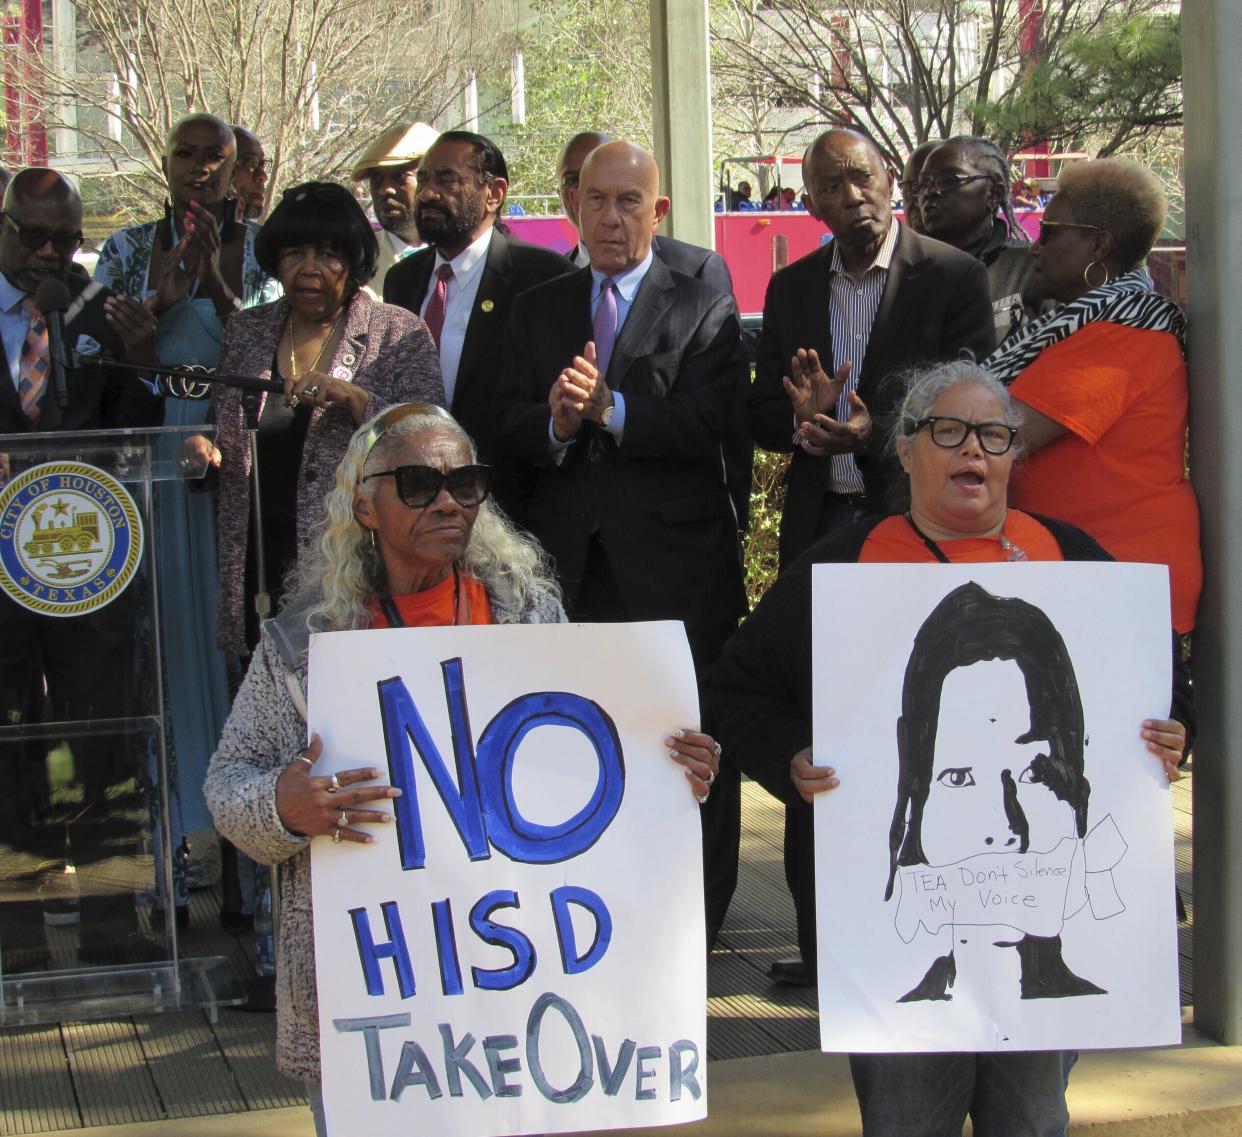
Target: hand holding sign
[(323, 807)]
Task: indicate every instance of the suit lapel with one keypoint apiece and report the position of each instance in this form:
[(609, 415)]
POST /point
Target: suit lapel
[(900, 294), (651, 303), (490, 307), (420, 276)]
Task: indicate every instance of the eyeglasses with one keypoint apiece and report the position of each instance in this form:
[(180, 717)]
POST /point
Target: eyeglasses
[(946, 183), (419, 486), (996, 438), (34, 238), (1044, 226), (253, 163)]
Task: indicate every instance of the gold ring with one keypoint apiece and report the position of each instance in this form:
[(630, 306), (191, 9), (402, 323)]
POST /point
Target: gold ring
[(303, 758), (294, 400), (343, 819), (336, 835), (334, 784)]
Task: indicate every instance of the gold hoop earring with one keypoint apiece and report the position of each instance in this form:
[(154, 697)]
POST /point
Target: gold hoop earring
[(1086, 275)]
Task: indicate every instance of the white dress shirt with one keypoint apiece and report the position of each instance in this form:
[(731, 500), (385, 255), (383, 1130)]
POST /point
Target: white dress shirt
[(462, 290)]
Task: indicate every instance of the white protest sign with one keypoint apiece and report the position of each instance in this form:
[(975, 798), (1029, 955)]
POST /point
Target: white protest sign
[(996, 869), (523, 951)]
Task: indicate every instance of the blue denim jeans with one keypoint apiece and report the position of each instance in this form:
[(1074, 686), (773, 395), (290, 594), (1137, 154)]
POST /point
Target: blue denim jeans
[(1009, 1094)]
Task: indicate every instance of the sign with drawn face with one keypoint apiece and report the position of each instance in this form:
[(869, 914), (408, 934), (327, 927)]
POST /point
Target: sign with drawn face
[(1001, 838), (522, 951)]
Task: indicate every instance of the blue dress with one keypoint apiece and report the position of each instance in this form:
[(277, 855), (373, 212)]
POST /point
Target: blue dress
[(196, 688)]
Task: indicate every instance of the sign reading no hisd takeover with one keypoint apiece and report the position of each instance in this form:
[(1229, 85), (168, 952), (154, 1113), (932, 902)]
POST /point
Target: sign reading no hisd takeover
[(70, 539), (522, 951)]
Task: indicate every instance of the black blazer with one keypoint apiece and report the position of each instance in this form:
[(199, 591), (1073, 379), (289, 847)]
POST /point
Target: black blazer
[(936, 303), (98, 399), (693, 260), (659, 500), (511, 267)]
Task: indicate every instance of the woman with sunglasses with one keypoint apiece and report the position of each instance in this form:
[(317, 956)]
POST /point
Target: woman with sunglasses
[(1101, 380), (342, 358), (193, 268), (411, 541), (955, 439)]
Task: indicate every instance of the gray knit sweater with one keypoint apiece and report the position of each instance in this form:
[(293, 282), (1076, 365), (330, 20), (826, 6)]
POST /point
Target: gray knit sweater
[(263, 734)]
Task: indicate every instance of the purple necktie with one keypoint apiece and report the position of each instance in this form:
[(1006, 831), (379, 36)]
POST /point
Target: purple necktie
[(605, 324)]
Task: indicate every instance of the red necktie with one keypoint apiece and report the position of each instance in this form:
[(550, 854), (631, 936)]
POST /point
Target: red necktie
[(438, 303)]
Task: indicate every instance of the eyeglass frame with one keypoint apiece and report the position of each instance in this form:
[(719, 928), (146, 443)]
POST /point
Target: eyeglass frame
[(955, 183), (49, 237), (1039, 240), (254, 164), (474, 470), (967, 428)]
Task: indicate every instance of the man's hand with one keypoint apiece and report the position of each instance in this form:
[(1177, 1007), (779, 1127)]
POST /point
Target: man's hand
[(810, 390), (822, 435), (579, 393), (809, 779)]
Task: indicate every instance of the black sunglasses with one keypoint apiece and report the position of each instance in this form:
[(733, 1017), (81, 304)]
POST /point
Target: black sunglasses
[(419, 486), (34, 239), (946, 183)]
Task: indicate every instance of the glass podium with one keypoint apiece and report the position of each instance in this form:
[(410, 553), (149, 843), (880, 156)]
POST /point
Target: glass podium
[(88, 927)]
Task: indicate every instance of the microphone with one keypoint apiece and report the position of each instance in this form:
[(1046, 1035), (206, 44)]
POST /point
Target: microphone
[(52, 298)]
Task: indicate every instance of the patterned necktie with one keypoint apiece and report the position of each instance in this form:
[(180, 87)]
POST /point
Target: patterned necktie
[(438, 303), (605, 324), (35, 362)]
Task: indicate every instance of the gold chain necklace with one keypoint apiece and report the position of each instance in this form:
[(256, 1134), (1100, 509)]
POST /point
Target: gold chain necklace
[(293, 359)]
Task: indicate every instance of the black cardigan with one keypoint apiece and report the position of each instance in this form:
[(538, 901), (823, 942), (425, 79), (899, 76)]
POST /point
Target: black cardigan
[(760, 693)]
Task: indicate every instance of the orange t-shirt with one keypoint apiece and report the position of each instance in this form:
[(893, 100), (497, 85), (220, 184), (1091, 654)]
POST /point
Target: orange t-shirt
[(1119, 472), (434, 607), (894, 541)]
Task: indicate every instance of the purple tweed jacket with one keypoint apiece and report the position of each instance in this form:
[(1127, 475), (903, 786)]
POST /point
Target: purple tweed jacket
[(384, 349)]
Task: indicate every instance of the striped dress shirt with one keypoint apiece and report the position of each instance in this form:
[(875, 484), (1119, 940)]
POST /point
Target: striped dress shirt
[(851, 312)]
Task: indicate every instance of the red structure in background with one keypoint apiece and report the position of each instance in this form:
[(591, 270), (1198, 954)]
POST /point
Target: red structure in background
[(1030, 40), (26, 132)]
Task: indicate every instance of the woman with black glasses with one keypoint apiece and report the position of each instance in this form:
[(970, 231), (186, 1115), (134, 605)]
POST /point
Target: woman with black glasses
[(955, 439), (342, 358), (410, 541)]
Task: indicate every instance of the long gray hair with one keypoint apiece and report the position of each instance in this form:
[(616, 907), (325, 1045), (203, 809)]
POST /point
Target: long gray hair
[(923, 387), (334, 580)]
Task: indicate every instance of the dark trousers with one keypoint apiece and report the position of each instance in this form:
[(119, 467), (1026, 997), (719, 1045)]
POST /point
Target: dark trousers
[(599, 600), (837, 512)]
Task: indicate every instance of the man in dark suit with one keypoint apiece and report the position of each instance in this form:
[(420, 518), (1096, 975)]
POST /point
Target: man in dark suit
[(839, 327), (463, 284), (42, 229), (706, 265), (86, 660), (623, 386)]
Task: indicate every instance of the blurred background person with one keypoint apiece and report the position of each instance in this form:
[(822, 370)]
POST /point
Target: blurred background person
[(194, 268), (963, 200), (388, 167), (907, 184), (411, 541), (1102, 380), (249, 175)]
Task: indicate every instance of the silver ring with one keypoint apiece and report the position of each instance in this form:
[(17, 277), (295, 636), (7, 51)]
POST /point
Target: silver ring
[(312, 392), (334, 784), (702, 800), (343, 819), (717, 748), (711, 777), (303, 758), (336, 835)]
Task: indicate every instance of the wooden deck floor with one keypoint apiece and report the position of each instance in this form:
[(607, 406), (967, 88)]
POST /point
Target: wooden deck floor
[(82, 1075)]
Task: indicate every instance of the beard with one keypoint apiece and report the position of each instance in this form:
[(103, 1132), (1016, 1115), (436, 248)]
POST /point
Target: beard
[(439, 225)]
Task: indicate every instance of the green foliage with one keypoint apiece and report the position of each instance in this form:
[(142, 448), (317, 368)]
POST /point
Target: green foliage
[(767, 499), (1110, 87)]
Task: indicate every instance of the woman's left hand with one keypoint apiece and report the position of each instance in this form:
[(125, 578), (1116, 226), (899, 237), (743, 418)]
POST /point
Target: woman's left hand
[(134, 323), (1166, 739), (325, 390), (699, 753), (204, 245)]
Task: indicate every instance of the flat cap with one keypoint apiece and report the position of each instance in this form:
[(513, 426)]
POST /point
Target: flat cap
[(397, 146)]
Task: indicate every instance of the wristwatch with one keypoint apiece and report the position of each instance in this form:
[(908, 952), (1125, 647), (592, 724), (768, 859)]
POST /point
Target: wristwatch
[(606, 414)]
